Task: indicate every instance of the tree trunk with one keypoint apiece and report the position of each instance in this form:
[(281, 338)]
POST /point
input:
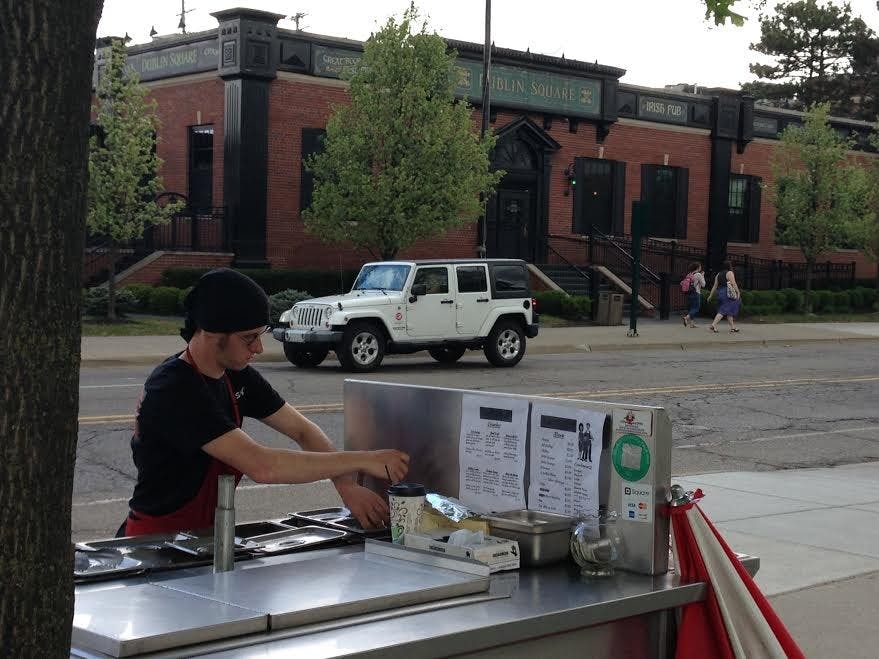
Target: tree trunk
[(111, 283), (810, 264), (46, 58)]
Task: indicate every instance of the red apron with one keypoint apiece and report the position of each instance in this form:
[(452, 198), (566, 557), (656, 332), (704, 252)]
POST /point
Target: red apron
[(198, 512)]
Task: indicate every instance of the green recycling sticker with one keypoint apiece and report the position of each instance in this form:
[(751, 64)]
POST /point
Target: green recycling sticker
[(631, 457)]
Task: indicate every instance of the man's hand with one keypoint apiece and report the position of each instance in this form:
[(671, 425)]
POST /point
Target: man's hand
[(367, 506), (388, 463)]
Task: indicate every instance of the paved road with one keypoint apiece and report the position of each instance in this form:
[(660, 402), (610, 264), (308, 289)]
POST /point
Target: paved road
[(742, 408)]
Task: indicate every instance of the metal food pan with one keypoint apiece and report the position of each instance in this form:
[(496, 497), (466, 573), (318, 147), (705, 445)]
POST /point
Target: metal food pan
[(295, 539), (335, 518), (252, 529), (530, 521)]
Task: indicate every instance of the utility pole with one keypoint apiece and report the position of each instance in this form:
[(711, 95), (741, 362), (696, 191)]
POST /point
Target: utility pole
[(182, 14), (486, 105)]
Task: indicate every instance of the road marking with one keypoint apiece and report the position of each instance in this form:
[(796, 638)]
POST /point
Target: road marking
[(772, 438), (103, 502), (108, 386), (318, 408)]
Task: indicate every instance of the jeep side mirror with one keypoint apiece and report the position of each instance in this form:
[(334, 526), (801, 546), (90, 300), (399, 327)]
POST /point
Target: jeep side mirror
[(417, 291)]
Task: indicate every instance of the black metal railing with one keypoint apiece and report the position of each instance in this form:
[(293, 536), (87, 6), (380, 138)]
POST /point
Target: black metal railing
[(191, 230)]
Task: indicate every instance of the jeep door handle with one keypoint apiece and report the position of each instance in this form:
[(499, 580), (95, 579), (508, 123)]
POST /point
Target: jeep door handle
[(482, 299), (446, 301)]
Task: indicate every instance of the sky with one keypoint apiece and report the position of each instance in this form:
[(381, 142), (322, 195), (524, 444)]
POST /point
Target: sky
[(658, 42)]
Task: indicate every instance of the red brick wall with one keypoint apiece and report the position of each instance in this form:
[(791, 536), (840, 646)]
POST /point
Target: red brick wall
[(757, 161), (178, 106), (152, 272), (295, 104)]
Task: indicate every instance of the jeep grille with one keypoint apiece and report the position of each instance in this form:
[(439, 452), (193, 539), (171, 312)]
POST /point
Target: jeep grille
[(307, 315)]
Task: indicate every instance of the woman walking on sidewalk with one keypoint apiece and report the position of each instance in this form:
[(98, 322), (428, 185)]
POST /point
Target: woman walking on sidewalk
[(694, 293), (728, 297)]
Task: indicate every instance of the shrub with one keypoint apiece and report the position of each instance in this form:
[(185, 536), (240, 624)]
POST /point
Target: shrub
[(141, 294), (869, 298), (559, 303), (165, 300), (284, 300), (94, 301), (856, 299), (822, 301), (841, 302), (794, 300)]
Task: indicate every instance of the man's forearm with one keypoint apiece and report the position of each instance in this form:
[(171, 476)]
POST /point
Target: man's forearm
[(289, 466), (314, 439)]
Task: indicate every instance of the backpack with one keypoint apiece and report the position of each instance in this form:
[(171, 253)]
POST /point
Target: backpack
[(685, 283)]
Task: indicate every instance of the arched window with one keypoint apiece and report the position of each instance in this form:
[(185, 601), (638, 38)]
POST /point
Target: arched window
[(514, 153)]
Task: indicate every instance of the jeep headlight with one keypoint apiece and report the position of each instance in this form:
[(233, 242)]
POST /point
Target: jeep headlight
[(328, 311)]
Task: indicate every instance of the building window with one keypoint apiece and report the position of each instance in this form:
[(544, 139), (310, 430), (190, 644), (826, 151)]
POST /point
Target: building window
[(312, 142), (666, 191), (743, 219), (201, 167), (599, 195)]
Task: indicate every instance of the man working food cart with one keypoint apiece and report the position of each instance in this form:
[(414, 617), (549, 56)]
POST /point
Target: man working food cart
[(188, 423)]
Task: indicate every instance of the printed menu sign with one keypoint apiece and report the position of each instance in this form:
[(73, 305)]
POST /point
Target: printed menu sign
[(565, 454), (491, 453)]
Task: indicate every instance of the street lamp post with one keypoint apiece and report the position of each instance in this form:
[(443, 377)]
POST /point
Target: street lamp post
[(486, 103)]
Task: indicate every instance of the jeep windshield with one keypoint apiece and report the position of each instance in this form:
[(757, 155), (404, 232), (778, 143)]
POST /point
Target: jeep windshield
[(381, 277)]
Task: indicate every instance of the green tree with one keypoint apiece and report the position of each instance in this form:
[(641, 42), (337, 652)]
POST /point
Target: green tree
[(865, 227), (123, 165), (812, 46), (46, 57), (818, 193), (721, 10), (402, 162)]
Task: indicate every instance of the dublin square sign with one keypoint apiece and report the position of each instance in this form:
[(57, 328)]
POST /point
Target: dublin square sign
[(510, 86), (531, 90)]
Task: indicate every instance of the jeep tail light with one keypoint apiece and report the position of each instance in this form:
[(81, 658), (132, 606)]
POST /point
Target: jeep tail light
[(534, 303)]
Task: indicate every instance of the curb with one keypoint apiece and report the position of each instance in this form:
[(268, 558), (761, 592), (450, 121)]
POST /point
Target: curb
[(630, 345)]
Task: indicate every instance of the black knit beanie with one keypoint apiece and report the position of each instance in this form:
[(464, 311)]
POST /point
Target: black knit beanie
[(225, 301)]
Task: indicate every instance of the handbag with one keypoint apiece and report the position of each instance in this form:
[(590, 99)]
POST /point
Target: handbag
[(732, 291)]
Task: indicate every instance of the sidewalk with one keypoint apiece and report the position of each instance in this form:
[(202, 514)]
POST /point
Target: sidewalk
[(815, 531), (652, 335)]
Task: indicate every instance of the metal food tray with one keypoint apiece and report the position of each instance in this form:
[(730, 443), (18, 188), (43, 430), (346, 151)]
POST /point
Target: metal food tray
[(203, 547), (336, 518), (296, 539)]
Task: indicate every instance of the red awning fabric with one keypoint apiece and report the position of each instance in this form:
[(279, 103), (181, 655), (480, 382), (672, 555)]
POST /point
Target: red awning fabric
[(735, 621)]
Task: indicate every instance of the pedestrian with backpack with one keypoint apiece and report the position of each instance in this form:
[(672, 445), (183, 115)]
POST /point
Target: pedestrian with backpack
[(692, 285)]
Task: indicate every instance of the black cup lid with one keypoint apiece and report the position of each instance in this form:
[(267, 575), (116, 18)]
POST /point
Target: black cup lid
[(407, 490)]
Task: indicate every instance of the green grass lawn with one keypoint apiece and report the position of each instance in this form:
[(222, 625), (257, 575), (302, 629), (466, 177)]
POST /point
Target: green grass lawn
[(132, 326)]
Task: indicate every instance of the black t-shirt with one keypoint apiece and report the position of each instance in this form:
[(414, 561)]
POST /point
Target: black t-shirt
[(180, 412)]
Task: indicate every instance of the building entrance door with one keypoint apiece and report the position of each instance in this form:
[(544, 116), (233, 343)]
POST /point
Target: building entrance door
[(515, 224)]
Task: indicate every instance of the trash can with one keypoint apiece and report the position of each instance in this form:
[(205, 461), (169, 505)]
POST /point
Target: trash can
[(615, 311), (603, 313)]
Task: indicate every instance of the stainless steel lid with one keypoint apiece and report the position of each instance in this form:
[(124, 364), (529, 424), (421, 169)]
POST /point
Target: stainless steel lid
[(530, 521)]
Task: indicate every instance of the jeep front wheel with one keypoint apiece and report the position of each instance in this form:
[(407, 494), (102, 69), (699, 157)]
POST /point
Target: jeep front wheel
[(304, 357), (362, 348), (447, 355), (505, 345)]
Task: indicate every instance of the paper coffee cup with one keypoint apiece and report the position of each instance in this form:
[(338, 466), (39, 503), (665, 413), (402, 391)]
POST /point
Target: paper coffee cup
[(406, 501)]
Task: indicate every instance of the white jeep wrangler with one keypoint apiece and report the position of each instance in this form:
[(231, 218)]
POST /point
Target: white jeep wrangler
[(444, 307)]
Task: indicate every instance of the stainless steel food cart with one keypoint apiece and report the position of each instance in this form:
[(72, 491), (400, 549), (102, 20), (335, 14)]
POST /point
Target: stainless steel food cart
[(363, 597)]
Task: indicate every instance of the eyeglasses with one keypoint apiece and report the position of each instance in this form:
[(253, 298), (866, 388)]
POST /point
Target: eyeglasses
[(252, 337)]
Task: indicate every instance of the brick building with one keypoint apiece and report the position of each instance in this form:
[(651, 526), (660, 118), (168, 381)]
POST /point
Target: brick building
[(241, 106)]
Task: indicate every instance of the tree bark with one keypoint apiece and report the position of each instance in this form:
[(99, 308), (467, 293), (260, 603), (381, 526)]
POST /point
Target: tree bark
[(810, 265), (111, 282), (46, 54)]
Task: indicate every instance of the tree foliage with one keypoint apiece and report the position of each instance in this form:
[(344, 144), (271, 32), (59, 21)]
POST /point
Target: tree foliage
[(821, 54), (402, 162), (819, 195), (123, 165)]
